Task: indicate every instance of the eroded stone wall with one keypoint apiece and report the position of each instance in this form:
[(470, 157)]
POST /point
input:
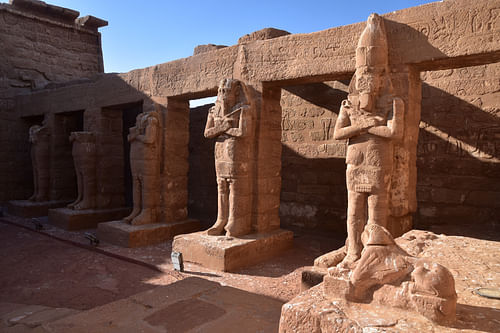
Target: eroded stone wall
[(40, 44), (459, 147)]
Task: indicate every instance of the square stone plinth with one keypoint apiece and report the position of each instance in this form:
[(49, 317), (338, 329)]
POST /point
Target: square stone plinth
[(228, 253), (127, 235), (71, 219), (27, 208)]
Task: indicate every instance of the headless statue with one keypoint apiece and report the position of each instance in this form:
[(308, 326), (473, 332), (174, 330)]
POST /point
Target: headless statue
[(230, 122), (144, 162), (39, 139)]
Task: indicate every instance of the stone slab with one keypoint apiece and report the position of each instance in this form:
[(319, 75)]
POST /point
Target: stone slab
[(228, 253), (26, 208), (189, 305), (71, 219), (312, 312), (127, 235)]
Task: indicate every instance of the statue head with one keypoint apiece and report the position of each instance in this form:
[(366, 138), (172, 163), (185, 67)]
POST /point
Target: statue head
[(229, 93), (371, 62), (433, 279)]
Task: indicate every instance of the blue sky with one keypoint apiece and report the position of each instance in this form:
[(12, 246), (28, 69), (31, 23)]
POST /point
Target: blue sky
[(143, 33)]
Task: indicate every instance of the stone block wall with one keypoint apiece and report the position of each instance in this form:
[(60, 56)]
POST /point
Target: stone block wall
[(40, 44), (313, 192), (459, 147)]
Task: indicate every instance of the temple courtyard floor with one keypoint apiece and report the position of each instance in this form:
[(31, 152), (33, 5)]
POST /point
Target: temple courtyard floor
[(55, 281)]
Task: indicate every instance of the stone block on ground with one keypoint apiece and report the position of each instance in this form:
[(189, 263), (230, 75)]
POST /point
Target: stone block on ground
[(127, 235), (71, 219), (230, 253), (27, 208), (190, 305)]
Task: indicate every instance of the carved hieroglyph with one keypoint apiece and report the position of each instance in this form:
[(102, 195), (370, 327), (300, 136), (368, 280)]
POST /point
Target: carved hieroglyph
[(39, 139), (84, 158), (144, 162), (231, 122), (372, 119)]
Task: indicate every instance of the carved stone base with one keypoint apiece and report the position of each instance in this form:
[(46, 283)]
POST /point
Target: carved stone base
[(312, 276), (71, 219), (313, 312), (127, 235), (27, 208), (228, 253)]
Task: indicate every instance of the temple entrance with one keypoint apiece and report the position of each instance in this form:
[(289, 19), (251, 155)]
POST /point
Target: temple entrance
[(202, 184)]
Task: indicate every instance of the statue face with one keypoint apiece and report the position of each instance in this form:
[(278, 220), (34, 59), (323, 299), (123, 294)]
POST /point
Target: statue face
[(227, 94)]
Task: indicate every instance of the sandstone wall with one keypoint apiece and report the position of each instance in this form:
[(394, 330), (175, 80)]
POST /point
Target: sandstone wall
[(459, 147), (40, 44)]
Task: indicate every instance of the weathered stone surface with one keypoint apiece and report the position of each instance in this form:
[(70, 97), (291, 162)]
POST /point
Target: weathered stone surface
[(70, 219), (263, 34), (85, 158), (127, 235), (229, 253), (312, 311), (26, 208), (170, 308), (207, 48)]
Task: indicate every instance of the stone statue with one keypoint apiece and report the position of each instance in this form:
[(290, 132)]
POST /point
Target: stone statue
[(39, 139), (84, 158), (144, 140), (230, 121), (373, 266), (371, 118)]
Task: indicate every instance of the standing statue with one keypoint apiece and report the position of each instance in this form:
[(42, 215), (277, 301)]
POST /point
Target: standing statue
[(371, 119), (373, 267), (84, 158), (230, 121), (39, 139), (144, 162)]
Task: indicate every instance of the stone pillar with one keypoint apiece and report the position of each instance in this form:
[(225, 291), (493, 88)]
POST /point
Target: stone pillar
[(267, 177), (174, 165)]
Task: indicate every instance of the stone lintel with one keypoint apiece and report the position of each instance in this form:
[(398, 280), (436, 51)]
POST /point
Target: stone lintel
[(228, 253), (27, 208), (40, 8), (71, 219), (126, 235)]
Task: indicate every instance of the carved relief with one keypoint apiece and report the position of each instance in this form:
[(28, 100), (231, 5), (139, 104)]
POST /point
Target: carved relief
[(84, 157), (39, 139), (231, 122), (144, 161)]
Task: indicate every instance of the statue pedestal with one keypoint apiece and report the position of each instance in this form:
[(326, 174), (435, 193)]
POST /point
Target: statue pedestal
[(71, 219), (228, 253), (27, 208), (127, 235)]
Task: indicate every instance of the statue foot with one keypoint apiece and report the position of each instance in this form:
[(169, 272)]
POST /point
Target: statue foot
[(83, 205), (215, 231), (143, 218), (330, 259), (349, 261)]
